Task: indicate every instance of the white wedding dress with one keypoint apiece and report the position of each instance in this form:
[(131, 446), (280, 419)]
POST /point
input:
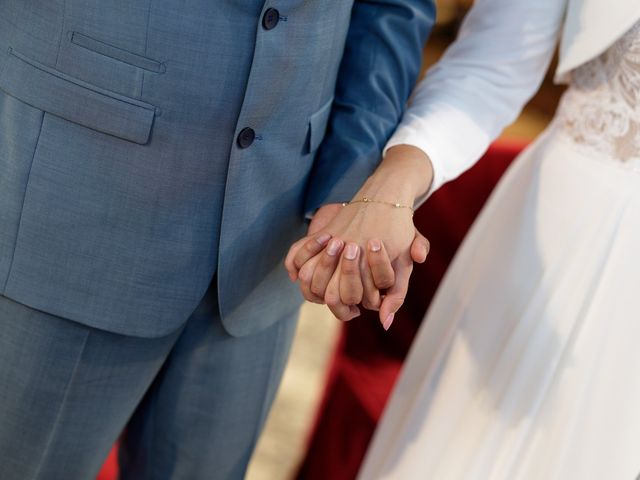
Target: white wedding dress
[(528, 363)]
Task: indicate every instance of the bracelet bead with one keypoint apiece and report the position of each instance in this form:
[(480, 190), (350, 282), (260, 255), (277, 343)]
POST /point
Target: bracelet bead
[(366, 199)]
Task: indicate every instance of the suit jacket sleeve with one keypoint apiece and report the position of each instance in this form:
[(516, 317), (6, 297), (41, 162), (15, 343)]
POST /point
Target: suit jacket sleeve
[(379, 69)]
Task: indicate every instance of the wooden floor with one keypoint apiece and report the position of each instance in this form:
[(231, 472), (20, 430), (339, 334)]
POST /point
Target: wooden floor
[(284, 439)]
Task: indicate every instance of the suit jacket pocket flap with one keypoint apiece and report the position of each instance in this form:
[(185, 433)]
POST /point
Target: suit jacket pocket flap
[(318, 125), (116, 53), (54, 92)]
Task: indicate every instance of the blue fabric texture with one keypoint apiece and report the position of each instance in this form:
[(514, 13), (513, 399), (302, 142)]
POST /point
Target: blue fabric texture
[(193, 402), (123, 189)]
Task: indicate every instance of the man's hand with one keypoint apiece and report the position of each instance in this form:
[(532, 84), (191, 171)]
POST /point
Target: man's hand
[(363, 253), (366, 266), (313, 243)]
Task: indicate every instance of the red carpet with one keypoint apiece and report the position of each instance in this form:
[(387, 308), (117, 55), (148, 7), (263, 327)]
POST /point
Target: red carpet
[(110, 468)]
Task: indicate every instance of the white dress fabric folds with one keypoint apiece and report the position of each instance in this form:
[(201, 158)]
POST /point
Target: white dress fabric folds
[(527, 366)]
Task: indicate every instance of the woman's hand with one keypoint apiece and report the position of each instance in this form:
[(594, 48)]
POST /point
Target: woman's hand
[(366, 247), (379, 247)]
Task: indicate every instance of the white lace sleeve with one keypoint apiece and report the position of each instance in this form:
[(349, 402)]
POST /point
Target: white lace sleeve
[(482, 82), (601, 110)]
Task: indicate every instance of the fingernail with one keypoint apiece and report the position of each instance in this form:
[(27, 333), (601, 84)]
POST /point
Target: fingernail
[(324, 238), (375, 246), (387, 323), (351, 251), (334, 247)]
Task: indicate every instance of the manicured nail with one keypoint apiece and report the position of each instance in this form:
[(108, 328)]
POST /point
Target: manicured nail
[(351, 252), (375, 246), (323, 239), (387, 323), (334, 247)]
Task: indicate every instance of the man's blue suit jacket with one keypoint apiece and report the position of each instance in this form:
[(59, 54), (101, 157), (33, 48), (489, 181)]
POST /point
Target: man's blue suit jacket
[(148, 145)]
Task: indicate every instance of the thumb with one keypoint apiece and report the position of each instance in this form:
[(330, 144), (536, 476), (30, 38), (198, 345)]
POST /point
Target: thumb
[(420, 248), (323, 217)]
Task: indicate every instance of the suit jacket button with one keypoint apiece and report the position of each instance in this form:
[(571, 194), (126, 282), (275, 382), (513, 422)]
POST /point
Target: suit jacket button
[(270, 19), (246, 137)]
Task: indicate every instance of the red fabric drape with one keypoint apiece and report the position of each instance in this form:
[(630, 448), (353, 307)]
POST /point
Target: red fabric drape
[(368, 359)]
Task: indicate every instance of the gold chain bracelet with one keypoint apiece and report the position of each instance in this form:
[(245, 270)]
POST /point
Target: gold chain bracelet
[(366, 199)]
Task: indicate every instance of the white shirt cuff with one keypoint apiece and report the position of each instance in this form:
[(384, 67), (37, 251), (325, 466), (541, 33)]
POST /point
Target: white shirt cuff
[(450, 138)]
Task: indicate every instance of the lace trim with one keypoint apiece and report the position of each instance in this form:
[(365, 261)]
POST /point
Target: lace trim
[(601, 109)]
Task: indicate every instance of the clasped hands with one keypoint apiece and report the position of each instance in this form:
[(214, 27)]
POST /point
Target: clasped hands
[(361, 254)]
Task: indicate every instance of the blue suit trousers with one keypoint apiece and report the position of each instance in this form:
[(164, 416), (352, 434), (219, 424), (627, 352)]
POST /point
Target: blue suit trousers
[(191, 404)]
